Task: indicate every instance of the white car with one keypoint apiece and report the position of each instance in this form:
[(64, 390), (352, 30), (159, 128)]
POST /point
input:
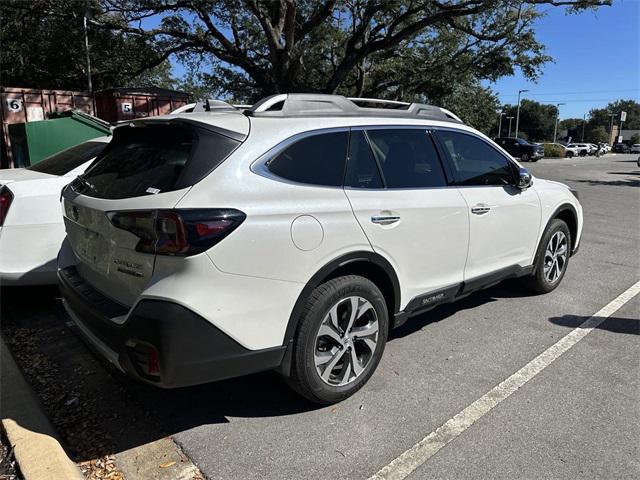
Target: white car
[(31, 227), (635, 148), (295, 236), (572, 150)]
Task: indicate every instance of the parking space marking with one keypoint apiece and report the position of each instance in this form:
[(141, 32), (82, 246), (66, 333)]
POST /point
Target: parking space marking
[(426, 448)]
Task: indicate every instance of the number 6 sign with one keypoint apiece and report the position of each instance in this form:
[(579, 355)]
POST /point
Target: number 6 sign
[(14, 105)]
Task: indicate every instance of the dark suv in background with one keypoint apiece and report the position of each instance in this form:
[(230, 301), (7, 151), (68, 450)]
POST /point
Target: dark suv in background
[(521, 149)]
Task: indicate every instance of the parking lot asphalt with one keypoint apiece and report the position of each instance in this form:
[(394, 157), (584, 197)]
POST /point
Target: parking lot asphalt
[(579, 417)]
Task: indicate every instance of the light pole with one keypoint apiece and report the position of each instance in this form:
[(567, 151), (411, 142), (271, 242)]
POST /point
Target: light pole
[(86, 45), (611, 115), (555, 127), (584, 121), (500, 124), (509, 118), (518, 111)]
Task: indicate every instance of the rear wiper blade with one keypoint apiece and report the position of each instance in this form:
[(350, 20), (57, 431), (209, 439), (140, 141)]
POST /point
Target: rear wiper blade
[(85, 182)]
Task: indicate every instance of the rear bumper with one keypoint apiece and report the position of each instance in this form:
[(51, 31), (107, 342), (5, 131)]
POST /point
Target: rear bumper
[(159, 342)]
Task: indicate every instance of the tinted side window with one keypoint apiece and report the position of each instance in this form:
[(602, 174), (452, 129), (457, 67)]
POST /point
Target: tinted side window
[(407, 157), (362, 170), (316, 160), (475, 161)]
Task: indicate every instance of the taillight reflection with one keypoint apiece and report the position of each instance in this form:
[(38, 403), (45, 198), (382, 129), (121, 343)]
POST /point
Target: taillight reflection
[(6, 197), (177, 232)]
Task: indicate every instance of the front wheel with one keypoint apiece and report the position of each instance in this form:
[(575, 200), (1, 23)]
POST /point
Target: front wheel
[(551, 259), (569, 155), (340, 339), (525, 157)]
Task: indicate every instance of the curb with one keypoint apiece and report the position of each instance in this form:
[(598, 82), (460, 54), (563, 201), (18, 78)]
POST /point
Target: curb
[(37, 451)]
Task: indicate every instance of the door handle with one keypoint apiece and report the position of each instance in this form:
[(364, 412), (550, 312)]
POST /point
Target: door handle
[(480, 209), (384, 219)]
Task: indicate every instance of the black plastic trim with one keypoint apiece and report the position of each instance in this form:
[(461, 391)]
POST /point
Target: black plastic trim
[(332, 266), (190, 349), (427, 301)]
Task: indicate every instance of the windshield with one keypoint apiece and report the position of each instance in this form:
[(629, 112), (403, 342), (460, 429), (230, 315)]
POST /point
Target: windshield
[(146, 160), (63, 162)]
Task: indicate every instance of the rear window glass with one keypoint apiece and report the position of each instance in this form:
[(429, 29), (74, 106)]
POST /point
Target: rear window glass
[(154, 159), (315, 160), (63, 162)]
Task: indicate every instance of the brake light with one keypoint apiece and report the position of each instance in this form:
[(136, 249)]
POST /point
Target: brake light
[(6, 197), (177, 232)]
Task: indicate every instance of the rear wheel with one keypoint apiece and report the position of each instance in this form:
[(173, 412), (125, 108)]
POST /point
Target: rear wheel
[(569, 154), (525, 157), (551, 259), (340, 339)]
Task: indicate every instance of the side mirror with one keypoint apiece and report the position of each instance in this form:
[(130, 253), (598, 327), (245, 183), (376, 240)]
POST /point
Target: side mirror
[(525, 180)]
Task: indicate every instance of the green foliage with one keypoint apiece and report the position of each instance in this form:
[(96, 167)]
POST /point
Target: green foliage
[(553, 150), (596, 134), (536, 119), (383, 48), (43, 47), (600, 116), (635, 138)]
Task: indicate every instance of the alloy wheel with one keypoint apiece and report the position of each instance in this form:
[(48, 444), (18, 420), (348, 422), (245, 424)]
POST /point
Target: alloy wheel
[(555, 257), (346, 341)]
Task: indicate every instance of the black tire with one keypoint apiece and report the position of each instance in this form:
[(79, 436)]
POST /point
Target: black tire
[(525, 157), (537, 281), (304, 377), (569, 155)]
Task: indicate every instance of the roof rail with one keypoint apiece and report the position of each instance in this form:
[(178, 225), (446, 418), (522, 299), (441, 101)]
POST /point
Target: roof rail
[(323, 105)]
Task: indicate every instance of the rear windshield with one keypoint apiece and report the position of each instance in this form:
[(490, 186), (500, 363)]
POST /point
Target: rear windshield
[(63, 162), (152, 159)]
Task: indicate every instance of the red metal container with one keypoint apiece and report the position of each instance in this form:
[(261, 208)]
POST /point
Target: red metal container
[(120, 104)]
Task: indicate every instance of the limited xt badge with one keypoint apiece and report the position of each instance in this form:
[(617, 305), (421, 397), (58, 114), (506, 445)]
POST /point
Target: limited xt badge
[(128, 267)]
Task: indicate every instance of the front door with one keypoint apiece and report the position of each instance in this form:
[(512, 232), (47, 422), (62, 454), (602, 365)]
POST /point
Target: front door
[(504, 220)]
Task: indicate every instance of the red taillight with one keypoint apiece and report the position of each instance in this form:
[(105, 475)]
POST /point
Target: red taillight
[(6, 197), (177, 232)]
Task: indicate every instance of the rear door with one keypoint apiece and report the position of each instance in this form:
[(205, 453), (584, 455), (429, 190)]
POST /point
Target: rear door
[(399, 193), (504, 221), (145, 168)]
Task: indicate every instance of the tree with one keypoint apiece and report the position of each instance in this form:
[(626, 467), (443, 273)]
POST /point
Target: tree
[(635, 138), (386, 48), (596, 134), (536, 119), (600, 116), (43, 47)]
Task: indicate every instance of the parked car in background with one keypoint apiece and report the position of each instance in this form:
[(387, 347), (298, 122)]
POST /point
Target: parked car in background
[(521, 149), (620, 148), (31, 226), (295, 236), (584, 149), (635, 148)]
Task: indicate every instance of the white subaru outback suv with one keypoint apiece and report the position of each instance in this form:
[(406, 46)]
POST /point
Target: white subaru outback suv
[(294, 236)]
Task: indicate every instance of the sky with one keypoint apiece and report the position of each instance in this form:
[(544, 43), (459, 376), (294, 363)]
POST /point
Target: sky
[(596, 60)]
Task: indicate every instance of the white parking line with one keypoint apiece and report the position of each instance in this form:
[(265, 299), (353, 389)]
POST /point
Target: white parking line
[(426, 448)]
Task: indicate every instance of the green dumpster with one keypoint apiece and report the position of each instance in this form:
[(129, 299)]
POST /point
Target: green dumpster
[(34, 141)]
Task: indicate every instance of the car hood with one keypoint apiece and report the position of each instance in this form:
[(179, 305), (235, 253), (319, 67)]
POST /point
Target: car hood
[(19, 174)]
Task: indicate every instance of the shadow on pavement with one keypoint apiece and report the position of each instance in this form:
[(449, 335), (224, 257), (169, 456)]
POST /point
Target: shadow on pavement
[(98, 411), (611, 183), (629, 326)]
